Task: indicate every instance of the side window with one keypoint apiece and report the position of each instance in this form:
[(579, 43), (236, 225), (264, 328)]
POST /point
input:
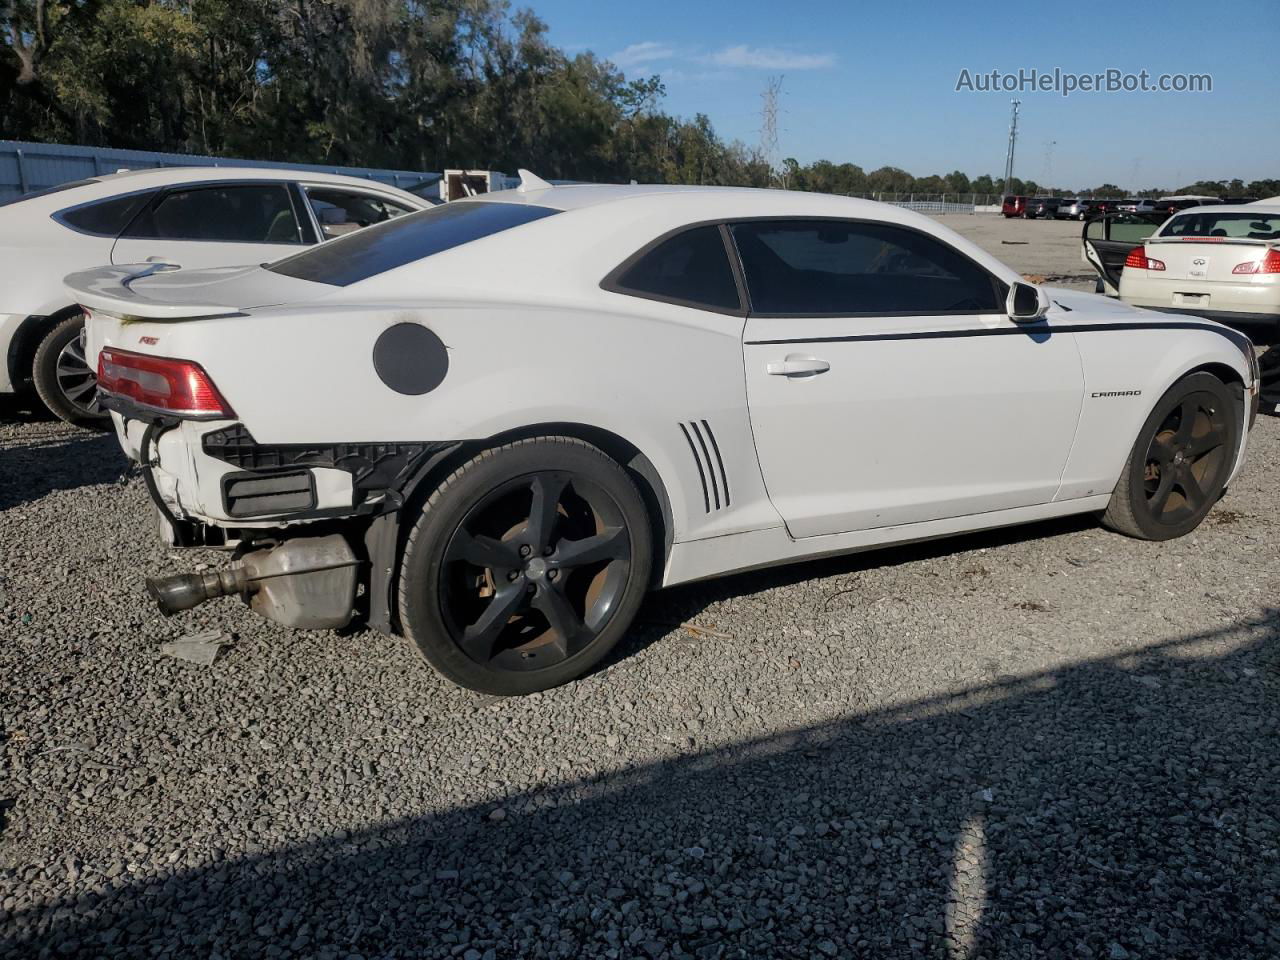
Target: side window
[(847, 267), (692, 268), (247, 213), (341, 211), (105, 218)]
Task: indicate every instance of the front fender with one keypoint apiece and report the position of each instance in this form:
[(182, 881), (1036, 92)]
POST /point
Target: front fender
[(1126, 372)]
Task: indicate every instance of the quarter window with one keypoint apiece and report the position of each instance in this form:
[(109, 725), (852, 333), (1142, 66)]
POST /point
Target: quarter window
[(247, 213), (847, 267), (106, 218), (691, 267)]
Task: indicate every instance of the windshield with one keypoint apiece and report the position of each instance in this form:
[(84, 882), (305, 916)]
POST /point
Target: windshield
[(1229, 226), (383, 247)]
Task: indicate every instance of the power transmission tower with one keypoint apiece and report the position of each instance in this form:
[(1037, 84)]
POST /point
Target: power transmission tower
[(1013, 140), (769, 123)]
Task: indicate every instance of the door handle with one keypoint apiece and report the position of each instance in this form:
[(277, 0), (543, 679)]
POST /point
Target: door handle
[(797, 367)]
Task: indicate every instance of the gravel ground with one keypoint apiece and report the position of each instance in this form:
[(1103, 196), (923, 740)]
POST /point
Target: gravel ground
[(1049, 741)]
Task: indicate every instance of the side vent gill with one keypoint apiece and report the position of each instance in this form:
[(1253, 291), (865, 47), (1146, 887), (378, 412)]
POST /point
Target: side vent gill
[(706, 457)]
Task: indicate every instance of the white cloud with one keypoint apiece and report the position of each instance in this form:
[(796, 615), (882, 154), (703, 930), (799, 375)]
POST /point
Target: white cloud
[(740, 56), (770, 58), (646, 52)]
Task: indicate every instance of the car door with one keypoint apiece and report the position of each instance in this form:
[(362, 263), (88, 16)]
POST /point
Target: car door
[(1108, 239), (217, 224), (887, 385)]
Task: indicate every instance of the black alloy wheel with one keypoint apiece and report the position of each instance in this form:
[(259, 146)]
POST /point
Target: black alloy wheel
[(1180, 465), (1186, 459), (534, 571), (527, 566)]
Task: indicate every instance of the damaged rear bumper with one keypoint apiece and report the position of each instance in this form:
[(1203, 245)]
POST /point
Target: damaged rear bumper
[(310, 522)]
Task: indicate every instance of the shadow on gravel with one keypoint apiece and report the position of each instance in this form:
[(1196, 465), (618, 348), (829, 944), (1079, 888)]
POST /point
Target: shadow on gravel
[(1121, 807), (56, 457), (24, 407)]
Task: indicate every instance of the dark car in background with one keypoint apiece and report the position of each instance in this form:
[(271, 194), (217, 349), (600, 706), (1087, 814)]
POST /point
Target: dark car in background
[(1043, 208)]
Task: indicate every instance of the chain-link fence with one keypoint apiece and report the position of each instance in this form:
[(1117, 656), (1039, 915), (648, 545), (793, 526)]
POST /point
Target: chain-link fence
[(937, 202), (962, 199)]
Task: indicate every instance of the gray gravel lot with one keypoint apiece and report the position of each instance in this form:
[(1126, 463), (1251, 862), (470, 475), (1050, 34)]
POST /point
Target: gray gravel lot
[(1048, 741)]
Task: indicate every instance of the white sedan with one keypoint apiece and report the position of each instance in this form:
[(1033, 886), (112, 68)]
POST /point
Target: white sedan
[(1218, 261), (509, 417), (189, 216)]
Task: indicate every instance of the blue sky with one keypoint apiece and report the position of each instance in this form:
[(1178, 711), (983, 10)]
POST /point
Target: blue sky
[(874, 84)]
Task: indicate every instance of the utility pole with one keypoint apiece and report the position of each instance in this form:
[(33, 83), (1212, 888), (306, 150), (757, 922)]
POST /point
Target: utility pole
[(1013, 139), (1048, 162), (769, 123)]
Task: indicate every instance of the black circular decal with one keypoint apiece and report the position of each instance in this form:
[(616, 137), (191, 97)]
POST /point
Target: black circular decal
[(410, 359)]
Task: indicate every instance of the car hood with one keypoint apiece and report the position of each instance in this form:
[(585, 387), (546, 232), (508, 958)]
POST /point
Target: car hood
[(1077, 307), (152, 291)]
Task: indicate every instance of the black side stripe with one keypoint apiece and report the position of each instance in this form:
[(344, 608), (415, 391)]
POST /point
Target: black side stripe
[(1030, 330), (706, 499), (724, 477), (715, 487)]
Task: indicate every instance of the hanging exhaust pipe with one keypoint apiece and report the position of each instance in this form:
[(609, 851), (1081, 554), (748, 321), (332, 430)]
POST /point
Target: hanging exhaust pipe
[(182, 591), (306, 582)]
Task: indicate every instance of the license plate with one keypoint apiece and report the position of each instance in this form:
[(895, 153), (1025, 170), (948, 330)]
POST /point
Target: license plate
[(1190, 299)]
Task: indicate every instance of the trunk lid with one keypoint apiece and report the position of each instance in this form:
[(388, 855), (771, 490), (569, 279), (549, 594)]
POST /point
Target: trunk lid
[(1205, 259)]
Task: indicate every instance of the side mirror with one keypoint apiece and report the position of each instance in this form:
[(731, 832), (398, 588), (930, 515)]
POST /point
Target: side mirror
[(1026, 303)]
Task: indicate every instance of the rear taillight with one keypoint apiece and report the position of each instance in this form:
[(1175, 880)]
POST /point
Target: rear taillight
[(1268, 264), (179, 387), (1139, 260)]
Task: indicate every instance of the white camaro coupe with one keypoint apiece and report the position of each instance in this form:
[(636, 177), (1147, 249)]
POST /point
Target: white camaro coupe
[(493, 425)]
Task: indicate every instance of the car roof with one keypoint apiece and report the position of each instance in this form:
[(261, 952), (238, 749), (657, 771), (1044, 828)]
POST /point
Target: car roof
[(727, 202), (126, 181), (1261, 208), (597, 226)]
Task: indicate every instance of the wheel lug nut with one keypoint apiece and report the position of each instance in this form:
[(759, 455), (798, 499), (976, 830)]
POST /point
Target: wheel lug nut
[(512, 575), (525, 551), (547, 551), (531, 588), (553, 575)]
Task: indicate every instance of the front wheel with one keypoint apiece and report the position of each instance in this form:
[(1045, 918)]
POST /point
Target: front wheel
[(1179, 466), (527, 566), (65, 381)]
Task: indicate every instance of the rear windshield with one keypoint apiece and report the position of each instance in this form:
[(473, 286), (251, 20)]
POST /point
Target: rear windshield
[(377, 249), (1232, 226)]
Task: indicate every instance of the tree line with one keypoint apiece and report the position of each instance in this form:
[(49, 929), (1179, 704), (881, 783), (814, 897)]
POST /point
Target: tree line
[(414, 84)]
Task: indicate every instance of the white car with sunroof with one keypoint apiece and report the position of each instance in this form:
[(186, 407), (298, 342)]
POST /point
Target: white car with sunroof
[(492, 426), (188, 217)]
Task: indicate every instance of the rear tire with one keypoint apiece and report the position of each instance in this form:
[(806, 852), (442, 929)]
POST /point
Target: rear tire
[(1180, 463), (527, 566), (66, 383)]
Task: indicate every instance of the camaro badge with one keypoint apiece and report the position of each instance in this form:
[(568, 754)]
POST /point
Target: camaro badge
[(1117, 393)]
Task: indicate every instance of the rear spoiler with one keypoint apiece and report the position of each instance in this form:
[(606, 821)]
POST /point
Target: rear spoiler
[(109, 290), (1232, 240)]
